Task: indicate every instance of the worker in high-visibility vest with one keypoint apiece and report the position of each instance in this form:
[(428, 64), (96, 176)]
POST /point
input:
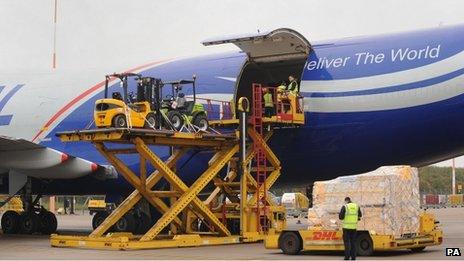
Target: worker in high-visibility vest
[(350, 214), (282, 87), (268, 103), (292, 87)]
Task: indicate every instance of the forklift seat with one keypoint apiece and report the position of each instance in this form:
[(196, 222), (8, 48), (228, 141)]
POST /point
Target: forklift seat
[(117, 96)]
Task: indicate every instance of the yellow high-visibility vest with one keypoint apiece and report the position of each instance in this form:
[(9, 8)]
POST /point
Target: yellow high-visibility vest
[(351, 216), (293, 87), (268, 100)]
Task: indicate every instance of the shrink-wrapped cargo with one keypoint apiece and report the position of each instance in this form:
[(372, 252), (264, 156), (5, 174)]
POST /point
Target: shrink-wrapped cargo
[(389, 199)]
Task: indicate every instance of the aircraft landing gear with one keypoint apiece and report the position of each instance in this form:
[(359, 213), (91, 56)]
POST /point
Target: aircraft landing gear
[(34, 218), (10, 222)]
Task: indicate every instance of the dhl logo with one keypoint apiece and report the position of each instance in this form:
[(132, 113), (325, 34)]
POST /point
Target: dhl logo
[(325, 235)]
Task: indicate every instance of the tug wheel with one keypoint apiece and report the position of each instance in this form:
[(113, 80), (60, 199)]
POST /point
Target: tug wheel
[(364, 244), (290, 243), (417, 249)]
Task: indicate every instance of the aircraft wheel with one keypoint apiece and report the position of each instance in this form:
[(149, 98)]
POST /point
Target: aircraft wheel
[(290, 243), (29, 223), (48, 223), (120, 121), (150, 121), (364, 244), (10, 222), (125, 224), (176, 119), (201, 122), (98, 218), (143, 223)]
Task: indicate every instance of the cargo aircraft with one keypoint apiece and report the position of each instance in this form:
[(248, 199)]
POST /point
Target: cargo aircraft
[(369, 101)]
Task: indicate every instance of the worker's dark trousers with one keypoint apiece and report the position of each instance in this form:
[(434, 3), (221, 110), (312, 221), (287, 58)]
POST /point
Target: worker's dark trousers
[(349, 239), (268, 112)]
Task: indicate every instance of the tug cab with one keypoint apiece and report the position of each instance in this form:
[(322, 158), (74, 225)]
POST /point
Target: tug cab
[(272, 57)]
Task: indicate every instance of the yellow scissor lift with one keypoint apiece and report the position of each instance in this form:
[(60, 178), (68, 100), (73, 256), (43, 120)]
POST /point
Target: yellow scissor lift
[(186, 219)]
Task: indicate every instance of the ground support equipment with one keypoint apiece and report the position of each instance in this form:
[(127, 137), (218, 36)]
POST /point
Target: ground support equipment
[(187, 220)]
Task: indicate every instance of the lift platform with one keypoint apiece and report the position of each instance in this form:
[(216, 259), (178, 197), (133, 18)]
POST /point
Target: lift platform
[(187, 219), (288, 109)]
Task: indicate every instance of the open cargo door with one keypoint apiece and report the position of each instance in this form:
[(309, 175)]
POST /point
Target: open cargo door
[(277, 45)]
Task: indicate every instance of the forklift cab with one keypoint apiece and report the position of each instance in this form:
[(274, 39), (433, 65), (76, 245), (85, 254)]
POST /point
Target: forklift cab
[(181, 110), (124, 110), (177, 99)]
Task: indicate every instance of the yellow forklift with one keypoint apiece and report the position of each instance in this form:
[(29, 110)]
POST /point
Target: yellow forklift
[(126, 111)]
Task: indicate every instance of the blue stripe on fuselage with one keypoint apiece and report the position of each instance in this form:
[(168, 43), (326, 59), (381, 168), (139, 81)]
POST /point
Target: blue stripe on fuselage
[(397, 88)]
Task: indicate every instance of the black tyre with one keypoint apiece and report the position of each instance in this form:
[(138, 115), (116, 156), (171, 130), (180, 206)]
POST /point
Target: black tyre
[(364, 244), (120, 121), (234, 226), (176, 119), (29, 223), (150, 121), (98, 218), (201, 122), (10, 222), (143, 223), (417, 249), (125, 224), (290, 243), (48, 223)]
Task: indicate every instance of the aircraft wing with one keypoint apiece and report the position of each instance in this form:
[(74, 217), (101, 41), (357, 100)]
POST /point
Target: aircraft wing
[(22, 158)]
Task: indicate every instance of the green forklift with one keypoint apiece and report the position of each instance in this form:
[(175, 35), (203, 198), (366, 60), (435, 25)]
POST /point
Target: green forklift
[(181, 111)]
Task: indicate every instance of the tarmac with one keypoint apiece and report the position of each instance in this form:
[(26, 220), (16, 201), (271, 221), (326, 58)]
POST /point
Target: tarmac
[(38, 246)]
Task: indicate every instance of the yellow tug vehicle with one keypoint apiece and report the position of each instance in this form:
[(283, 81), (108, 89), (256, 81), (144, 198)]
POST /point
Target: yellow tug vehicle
[(368, 242)]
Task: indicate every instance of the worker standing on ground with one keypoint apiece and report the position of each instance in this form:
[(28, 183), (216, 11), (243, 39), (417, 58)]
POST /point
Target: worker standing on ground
[(350, 214), (268, 103)]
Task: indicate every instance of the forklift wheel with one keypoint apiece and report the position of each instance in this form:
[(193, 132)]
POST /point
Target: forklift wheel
[(120, 121), (290, 243), (201, 122), (176, 119), (150, 121)]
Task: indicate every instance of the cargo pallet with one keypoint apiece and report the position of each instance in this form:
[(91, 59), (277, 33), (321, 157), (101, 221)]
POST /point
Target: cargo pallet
[(317, 239), (186, 219)]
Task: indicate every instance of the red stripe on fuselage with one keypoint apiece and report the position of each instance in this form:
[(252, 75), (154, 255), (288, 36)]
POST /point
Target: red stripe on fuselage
[(83, 95)]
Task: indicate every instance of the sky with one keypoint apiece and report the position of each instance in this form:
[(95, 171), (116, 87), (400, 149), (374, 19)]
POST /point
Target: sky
[(117, 34)]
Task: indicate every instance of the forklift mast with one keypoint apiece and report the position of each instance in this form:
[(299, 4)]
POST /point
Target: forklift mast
[(148, 89)]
